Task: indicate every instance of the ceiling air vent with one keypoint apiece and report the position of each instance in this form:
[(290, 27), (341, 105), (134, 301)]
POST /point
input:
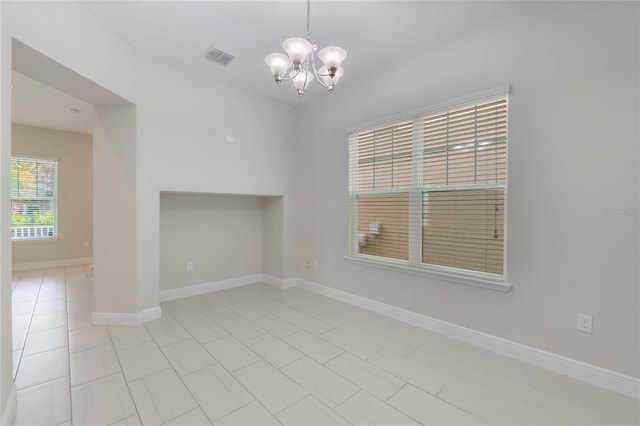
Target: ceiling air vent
[(217, 55)]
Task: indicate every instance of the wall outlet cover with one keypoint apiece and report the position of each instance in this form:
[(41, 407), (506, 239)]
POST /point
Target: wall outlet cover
[(585, 323)]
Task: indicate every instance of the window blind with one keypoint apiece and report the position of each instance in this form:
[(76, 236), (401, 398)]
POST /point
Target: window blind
[(465, 169), (33, 198), (384, 158), (384, 175), (430, 190)]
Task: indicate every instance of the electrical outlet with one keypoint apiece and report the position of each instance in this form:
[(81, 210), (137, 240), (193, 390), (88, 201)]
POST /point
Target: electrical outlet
[(190, 265), (314, 263), (87, 244), (585, 323)]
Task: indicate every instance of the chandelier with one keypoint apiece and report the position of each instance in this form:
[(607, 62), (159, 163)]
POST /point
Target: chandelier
[(300, 55)]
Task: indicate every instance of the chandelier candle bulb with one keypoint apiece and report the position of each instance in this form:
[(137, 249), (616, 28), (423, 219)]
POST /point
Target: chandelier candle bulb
[(279, 64)]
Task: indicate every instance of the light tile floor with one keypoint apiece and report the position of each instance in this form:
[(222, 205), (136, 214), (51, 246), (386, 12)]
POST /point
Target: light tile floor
[(257, 355)]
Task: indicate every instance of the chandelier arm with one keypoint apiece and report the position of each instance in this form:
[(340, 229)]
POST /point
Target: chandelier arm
[(291, 77), (315, 72)]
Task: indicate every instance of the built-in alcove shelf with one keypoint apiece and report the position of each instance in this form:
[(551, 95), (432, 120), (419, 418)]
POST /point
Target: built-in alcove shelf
[(207, 237)]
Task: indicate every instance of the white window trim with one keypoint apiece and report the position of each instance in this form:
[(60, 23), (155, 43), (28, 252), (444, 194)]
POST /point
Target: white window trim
[(414, 266), (458, 276), (36, 240)]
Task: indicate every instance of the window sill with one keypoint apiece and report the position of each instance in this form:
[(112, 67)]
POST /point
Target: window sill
[(471, 279), (35, 240)]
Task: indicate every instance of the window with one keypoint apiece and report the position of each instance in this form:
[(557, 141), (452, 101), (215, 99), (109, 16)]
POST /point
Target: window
[(33, 198), (428, 192)]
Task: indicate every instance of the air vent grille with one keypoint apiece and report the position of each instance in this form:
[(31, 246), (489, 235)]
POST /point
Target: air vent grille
[(218, 55)]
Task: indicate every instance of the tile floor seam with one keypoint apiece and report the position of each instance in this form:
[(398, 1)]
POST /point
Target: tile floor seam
[(442, 388), (292, 404), (133, 401), (393, 394), (219, 363), (243, 406), (334, 357), (344, 402), (449, 403), (357, 385), (310, 316), (32, 313), (236, 379), (66, 306)]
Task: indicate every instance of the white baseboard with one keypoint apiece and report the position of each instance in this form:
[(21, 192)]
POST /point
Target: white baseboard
[(198, 289), (279, 282), (10, 410), (611, 380), (52, 264), (110, 318)]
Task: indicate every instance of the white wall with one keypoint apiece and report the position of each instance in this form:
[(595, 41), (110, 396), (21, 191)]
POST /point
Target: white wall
[(274, 236), (222, 234), (6, 355), (186, 150), (573, 154), (75, 201), (181, 129), (177, 148), (114, 206)]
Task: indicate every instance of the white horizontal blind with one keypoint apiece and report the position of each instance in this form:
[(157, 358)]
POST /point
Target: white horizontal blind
[(33, 198), (391, 213), (439, 180), (465, 169), (384, 158), (383, 163), (464, 229), (466, 146)]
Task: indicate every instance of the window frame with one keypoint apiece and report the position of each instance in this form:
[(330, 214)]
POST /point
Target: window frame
[(55, 199), (414, 263)]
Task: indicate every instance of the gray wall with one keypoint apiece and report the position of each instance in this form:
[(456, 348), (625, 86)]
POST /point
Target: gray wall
[(573, 154), (75, 174), (222, 234)]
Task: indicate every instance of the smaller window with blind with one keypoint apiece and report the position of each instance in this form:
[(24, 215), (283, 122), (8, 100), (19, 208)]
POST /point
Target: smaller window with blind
[(33, 198), (429, 191)]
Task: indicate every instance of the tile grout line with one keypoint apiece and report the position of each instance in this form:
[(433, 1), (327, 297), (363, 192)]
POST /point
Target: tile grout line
[(261, 358), (66, 307), (221, 365), (24, 343), (179, 376), (386, 401), (123, 377)]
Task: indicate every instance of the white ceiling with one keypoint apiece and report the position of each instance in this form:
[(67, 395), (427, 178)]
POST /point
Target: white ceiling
[(376, 34), (36, 104)]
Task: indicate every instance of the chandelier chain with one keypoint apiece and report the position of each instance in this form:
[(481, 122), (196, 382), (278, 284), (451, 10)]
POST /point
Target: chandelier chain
[(309, 21)]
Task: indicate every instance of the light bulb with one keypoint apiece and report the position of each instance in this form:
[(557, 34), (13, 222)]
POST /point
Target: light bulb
[(278, 64), (323, 73), (301, 80), (332, 56), (297, 49)]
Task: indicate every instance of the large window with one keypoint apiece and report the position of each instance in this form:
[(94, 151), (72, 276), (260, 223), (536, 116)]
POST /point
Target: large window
[(33, 198), (428, 192)]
